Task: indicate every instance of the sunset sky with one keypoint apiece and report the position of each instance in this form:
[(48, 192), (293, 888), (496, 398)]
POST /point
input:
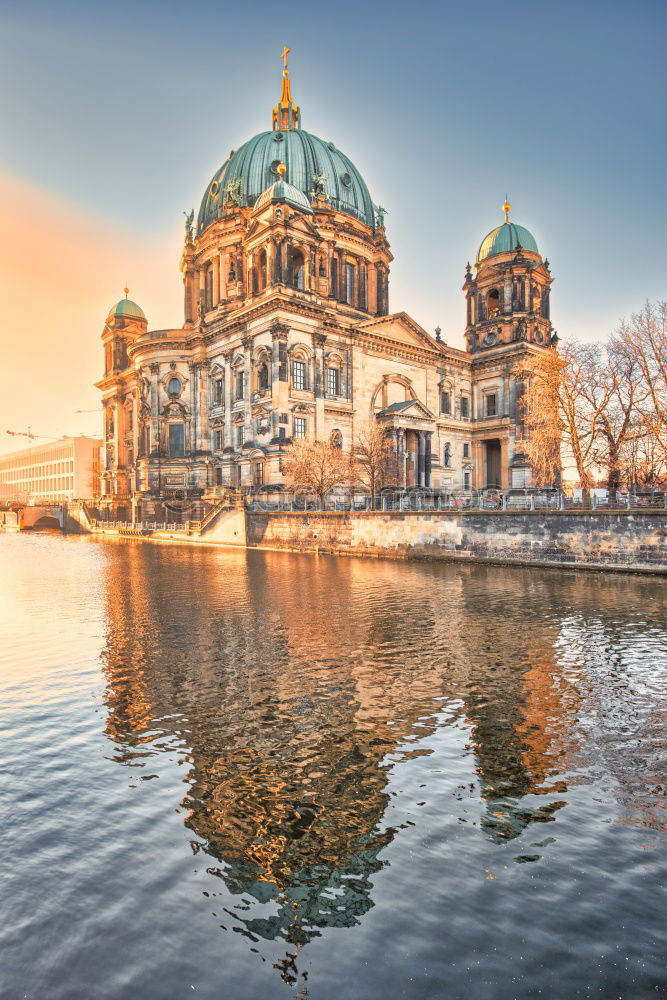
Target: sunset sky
[(114, 117)]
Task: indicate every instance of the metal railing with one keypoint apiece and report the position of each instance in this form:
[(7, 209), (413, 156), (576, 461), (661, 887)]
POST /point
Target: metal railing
[(433, 500), (398, 501)]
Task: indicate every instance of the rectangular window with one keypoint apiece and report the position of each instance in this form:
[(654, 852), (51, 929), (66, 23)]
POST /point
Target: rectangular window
[(176, 440), (466, 480), (299, 427), (217, 440), (284, 419), (258, 473), (491, 408), (218, 391), (466, 450), (333, 381), (446, 403), (239, 385), (240, 436), (465, 408), (281, 434), (298, 375)]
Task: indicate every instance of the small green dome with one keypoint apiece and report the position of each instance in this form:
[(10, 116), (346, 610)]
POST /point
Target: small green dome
[(127, 309), (504, 239), (283, 192)]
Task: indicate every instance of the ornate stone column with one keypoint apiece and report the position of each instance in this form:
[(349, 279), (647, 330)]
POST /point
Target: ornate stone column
[(319, 382), (279, 374), (421, 459), (247, 367), (222, 277), (204, 436), (504, 463), (427, 458), (228, 435)]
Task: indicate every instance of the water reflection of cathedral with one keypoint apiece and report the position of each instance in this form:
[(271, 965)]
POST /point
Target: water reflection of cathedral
[(294, 707)]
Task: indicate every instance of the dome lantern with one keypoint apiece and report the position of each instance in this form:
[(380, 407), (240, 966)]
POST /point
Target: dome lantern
[(286, 113)]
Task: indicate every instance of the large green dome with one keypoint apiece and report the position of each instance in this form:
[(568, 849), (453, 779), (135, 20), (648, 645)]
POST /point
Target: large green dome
[(506, 238), (254, 166)]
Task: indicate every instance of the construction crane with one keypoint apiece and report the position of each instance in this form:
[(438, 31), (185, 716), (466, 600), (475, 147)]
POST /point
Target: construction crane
[(29, 434)]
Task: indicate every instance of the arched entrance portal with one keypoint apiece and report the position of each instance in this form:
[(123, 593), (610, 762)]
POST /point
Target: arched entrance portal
[(492, 462)]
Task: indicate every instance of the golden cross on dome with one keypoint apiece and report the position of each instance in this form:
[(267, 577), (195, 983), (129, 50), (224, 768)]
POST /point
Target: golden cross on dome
[(285, 53)]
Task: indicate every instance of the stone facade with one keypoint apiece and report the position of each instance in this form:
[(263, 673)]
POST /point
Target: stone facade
[(287, 333)]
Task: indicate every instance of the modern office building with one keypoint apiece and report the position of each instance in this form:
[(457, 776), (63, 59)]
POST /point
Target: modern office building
[(59, 470)]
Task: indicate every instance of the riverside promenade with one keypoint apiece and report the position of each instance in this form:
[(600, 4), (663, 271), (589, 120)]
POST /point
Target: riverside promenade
[(626, 539)]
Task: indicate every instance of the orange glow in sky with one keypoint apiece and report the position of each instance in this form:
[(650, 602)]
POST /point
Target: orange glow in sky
[(61, 268)]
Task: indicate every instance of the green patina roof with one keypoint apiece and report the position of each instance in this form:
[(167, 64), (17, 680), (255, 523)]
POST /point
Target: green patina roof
[(127, 309), (504, 239), (283, 192), (254, 165)]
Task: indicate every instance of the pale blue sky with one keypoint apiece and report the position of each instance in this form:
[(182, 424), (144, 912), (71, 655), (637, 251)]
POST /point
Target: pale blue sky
[(128, 108)]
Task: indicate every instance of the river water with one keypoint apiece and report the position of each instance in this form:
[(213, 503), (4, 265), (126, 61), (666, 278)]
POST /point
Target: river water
[(255, 775)]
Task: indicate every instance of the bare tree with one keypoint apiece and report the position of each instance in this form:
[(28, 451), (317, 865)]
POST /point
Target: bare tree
[(540, 417), (375, 459), (644, 339), (643, 463), (564, 399), (615, 391), (316, 466)]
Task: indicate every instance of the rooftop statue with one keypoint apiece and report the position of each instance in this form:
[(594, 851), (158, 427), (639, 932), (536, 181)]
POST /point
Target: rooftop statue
[(380, 213), (233, 191), (318, 181), (189, 219)]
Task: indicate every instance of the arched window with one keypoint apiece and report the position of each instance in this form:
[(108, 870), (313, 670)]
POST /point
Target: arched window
[(176, 440), (258, 473), (298, 270), (492, 303), (337, 439), (209, 287), (333, 291), (299, 371), (263, 376), (174, 387), (261, 271), (349, 283)]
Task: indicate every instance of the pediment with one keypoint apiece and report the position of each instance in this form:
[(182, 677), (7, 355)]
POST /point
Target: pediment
[(409, 408), (401, 329)]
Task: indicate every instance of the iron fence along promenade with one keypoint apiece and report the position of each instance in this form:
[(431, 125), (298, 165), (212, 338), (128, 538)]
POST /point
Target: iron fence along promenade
[(432, 500), (387, 501)]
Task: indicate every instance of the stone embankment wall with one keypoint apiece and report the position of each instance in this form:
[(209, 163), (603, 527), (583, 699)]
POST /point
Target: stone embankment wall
[(627, 540)]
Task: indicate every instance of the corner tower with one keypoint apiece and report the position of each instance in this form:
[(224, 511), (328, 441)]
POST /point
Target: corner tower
[(507, 295)]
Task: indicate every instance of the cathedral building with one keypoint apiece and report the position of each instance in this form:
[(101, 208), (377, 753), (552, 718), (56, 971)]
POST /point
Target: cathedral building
[(288, 333)]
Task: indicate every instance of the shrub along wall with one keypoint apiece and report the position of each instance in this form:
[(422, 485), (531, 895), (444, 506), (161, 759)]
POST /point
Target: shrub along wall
[(621, 540)]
